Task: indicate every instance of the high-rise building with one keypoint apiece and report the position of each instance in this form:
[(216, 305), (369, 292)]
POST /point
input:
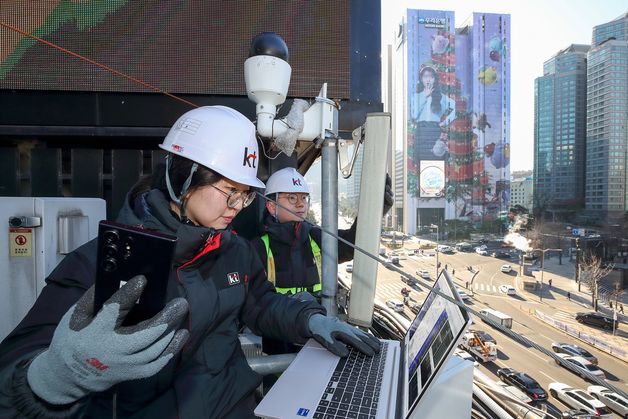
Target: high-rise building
[(452, 117), (399, 182), (560, 132), (616, 28), (607, 126)]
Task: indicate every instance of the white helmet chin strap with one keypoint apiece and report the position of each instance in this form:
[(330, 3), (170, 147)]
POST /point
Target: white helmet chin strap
[(276, 207), (184, 189)]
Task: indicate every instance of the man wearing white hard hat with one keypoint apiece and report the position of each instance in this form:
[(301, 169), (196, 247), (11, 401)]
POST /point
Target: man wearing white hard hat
[(66, 360), (290, 247)]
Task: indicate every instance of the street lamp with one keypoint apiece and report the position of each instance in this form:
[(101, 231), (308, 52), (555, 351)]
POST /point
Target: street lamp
[(543, 265), (436, 227)]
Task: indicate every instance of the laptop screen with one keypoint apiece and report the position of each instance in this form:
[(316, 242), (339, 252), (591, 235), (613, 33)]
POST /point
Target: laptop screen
[(432, 336)]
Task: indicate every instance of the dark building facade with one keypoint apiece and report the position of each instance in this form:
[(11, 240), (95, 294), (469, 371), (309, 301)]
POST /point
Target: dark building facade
[(560, 133)]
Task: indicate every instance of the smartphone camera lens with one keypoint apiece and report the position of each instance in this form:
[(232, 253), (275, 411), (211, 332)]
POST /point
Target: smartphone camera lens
[(109, 265), (111, 236), (110, 250)]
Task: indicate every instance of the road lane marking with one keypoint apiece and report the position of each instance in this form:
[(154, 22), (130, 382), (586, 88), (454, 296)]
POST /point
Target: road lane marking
[(551, 378), (536, 354)]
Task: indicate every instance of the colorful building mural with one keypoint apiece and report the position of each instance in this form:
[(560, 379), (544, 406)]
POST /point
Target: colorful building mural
[(458, 113)]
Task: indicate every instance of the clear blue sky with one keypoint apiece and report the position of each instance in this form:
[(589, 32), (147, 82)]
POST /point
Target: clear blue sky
[(540, 28)]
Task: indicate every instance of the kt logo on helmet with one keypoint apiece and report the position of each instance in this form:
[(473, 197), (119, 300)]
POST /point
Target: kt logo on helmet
[(249, 159), (296, 182)]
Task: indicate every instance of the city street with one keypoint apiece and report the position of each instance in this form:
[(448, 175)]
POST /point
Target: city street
[(484, 292)]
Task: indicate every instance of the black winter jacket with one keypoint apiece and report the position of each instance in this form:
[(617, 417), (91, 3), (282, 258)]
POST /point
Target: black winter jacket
[(211, 374), (290, 244)]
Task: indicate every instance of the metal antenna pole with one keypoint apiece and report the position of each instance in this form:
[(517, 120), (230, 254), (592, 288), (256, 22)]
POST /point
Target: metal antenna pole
[(329, 211)]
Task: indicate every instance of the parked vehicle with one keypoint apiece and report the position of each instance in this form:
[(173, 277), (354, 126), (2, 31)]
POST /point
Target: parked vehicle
[(396, 305), (501, 254), (483, 351), (596, 319), (582, 366), (463, 295), (423, 273), (578, 399), (611, 399), (506, 269), (349, 267), (480, 251), (573, 350), (508, 289), (444, 249), (464, 247), (523, 382), (497, 316)]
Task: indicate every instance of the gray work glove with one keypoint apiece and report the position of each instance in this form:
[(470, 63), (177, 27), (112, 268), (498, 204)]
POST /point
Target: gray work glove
[(303, 296), (331, 333), (90, 352), (389, 195)]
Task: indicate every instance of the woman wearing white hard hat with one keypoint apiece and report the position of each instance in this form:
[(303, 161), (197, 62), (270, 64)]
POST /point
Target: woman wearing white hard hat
[(85, 363)]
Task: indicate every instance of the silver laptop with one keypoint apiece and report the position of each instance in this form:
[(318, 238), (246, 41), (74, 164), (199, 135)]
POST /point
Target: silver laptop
[(319, 384)]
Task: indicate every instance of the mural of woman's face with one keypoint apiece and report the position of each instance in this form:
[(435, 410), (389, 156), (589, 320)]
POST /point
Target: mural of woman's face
[(428, 79)]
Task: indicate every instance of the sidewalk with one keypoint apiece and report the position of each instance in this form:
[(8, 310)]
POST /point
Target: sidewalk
[(555, 304)]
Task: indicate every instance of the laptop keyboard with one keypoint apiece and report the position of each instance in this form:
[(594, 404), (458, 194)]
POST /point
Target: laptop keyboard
[(353, 390)]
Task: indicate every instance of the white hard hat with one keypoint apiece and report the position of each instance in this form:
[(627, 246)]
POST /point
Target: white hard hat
[(286, 180), (219, 138)]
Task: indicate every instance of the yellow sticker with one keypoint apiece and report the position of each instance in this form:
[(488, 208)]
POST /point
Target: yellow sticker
[(20, 242)]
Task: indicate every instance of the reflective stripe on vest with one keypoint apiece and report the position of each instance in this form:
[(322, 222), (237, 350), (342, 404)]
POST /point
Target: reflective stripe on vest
[(270, 267)]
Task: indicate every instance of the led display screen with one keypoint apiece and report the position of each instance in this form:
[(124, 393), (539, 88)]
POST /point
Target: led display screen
[(182, 46)]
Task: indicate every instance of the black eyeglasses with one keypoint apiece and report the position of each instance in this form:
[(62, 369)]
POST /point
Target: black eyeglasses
[(235, 197), (293, 198)]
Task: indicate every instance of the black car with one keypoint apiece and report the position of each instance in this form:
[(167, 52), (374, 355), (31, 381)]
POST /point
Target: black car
[(523, 382), (596, 319), (501, 255), (484, 337)]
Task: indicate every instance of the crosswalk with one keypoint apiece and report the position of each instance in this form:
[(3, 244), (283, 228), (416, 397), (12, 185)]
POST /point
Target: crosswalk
[(563, 316), (388, 290), (485, 288)]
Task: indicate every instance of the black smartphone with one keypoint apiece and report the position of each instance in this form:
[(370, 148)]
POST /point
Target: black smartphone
[(124, 252)]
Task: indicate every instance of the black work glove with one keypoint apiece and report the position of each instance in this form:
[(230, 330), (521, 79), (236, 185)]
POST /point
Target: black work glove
[(331, 333), (389, 195)]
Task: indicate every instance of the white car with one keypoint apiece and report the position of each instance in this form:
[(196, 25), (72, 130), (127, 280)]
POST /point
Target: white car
[(423, 273), (578, 399), (444, 248), (463, 295), (506, 268), (349, 268), (396, 305), (582, 366), (482, 252), (611, 399), (508, 289)]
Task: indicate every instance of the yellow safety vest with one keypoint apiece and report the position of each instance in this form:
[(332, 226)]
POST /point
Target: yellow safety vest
[(316, 251)]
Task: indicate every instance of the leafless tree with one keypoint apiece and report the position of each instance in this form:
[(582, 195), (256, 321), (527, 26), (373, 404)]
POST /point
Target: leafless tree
[(615, 295), (591, 272)]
